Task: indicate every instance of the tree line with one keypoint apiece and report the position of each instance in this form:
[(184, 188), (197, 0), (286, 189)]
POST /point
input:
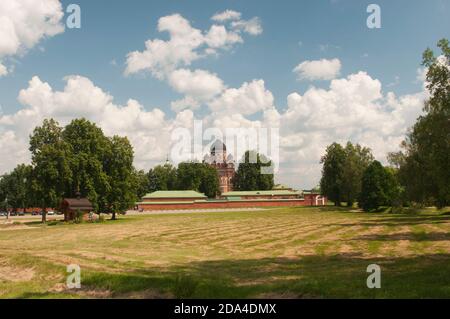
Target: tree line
[(419, 174)]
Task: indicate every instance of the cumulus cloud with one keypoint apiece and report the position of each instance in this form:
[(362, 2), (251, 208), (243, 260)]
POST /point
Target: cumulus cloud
[(24, 23), (198, 86), (185, 45), (353, 108), (252, 26), (227, 15), (250, 98), (318, 70)]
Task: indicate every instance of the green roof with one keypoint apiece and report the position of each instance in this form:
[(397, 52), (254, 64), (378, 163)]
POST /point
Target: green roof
[(175, 194), (265, 193)]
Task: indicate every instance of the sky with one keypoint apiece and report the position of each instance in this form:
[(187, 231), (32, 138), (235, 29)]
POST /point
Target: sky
[(312, 69)]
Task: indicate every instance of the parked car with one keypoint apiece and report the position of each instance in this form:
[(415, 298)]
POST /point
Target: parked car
[(21, 213), (3, 213), (35, 213), (13, 214), (50, 212)]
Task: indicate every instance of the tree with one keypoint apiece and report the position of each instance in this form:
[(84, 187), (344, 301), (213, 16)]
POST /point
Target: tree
[(81, 159), (332, 181), (379, 187), (51, 170), (210, 181), (250, 175), (15, 189), (200, 177), (342, 172), (143, 184), (162, 178), (122, 180), (425, 160), (357, 159), (90, 153)]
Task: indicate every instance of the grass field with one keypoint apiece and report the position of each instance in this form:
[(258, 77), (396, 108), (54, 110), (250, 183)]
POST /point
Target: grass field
[(280, 253)]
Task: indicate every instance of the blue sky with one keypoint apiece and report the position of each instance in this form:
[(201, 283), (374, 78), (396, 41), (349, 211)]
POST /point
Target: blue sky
[(293, 32), (111, 29)]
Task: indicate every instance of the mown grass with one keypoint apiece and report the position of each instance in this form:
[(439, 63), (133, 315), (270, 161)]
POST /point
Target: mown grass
[(293, 253)]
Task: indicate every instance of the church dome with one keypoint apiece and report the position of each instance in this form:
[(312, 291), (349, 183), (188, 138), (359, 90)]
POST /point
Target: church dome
[(218, 147)]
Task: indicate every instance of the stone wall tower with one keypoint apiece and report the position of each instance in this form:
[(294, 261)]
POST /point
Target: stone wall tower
[(224, 165)]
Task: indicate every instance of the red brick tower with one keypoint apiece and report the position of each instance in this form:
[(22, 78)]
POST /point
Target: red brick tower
[(224, 165)]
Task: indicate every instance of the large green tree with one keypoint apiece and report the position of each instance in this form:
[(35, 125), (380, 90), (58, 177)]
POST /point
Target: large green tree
[(122, 178), (357, 159), (90, 153), (250, 175), (81, 159), (379, 187), (425, 160), (342, 172), (51, 168), (332, 181)]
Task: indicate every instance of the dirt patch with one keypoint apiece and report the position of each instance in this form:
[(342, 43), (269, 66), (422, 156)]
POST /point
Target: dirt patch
[(15, 274)]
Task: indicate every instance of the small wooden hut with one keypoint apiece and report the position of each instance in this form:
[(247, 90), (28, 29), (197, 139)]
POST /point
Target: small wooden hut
[(70, 207)]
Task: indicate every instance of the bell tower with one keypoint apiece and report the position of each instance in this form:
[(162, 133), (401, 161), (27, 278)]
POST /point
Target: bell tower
[(224, 165)]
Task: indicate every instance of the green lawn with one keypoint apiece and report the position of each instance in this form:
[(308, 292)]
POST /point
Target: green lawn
[(280, 253)]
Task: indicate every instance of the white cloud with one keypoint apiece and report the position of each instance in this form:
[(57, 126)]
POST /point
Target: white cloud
[(353, 108), (250, 98), (186, 44), (188, 102), (252, 26), (3, 70), (219, 37), (227, 15), (318, 70), (198, 85), (23, 23)]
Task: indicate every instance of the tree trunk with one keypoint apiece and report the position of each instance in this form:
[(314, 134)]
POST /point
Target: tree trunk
[(44, 216), (113, 216)]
